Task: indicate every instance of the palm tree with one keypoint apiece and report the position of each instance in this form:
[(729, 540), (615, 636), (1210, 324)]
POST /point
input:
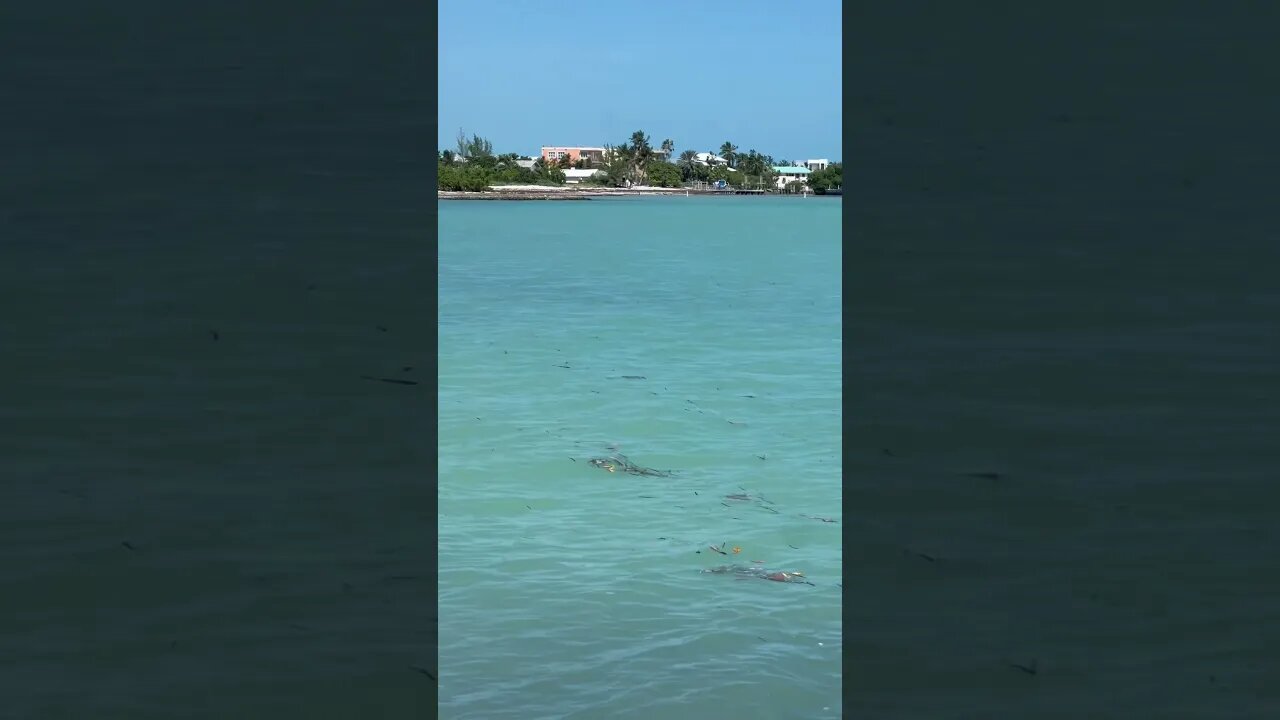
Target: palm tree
[(668, 147), (728, 151), (688, 161), (640, 143), (640, 153)]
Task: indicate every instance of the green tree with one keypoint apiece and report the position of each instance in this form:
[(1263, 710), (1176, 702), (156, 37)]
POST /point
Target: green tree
[(828, 178), (664, 174), (641, 154), (462, 177), (473, 148), (752, 163), (668, 147), (688, 161), (548, 173), (565, 163), (616, 166), (486, 162), (729, 152), (640, 143)]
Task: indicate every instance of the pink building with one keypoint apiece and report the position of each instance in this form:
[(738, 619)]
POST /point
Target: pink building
[(553, 154)]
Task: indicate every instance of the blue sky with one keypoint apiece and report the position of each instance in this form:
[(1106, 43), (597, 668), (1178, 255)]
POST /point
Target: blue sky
[(527, 73)]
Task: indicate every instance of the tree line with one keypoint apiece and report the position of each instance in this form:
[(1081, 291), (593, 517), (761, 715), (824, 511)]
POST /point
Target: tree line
[(473, 166)]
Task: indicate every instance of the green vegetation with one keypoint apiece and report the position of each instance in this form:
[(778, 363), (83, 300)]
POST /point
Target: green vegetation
[(476, 147), (826, 179), (664, 174), (629, 162), (729, 152), (473, 167)]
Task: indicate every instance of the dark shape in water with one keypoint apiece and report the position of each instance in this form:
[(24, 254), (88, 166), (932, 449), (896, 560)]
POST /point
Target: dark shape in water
[(617, 461), (748, 571), (984, 475), (815, 517), (214, 334), (383, 329), (393, 381), (1028, 669)]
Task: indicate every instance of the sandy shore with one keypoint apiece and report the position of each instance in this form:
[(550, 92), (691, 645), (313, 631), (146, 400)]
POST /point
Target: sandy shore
[(552, 192)]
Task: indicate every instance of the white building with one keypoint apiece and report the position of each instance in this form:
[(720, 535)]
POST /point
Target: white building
[(574, 176), (526, 164), (706, 158), (791, 173), (816, 165)]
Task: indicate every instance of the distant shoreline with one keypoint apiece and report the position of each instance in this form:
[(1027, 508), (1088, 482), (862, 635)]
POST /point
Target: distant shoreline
[(561, 192), (545, 192)]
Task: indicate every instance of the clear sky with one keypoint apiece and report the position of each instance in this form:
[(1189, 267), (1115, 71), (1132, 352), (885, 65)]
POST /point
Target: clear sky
[(764, 74)]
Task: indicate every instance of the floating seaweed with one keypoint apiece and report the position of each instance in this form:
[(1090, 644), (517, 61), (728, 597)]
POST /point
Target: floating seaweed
[(757, 500), (619, 462), (746, 572)]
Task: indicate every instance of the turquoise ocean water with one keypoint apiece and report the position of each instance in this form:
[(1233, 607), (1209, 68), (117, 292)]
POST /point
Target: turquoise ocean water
[(570, 592)]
